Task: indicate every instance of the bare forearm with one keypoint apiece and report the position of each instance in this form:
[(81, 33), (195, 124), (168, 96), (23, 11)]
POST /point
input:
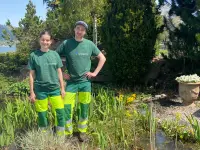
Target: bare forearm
[(102, 60), (31, 82), (62, 84), (60, 76)]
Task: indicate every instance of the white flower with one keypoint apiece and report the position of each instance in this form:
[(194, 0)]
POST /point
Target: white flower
[(188, 78)]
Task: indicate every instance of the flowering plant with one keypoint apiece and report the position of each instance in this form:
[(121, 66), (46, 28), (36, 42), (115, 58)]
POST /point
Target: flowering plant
[(188, 78)]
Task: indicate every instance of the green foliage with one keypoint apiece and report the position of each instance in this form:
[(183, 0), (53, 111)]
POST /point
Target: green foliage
[(184, 39), (60, 29), (19, 88), (129, 34), (12, 62), (28, 31), (195, 127), (113, 125), (173, 128), (15, 117), (5, 83), (160, 52), (60, 20), (62, 16), (27, 35), (146, 118), (110, 126), (7, 38)]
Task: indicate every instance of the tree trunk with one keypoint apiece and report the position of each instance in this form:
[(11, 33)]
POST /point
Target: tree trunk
[(95, 29)]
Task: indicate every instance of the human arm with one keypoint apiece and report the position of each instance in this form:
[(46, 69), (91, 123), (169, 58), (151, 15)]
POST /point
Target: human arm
[(31, 83), (60, 77), (101, 62)]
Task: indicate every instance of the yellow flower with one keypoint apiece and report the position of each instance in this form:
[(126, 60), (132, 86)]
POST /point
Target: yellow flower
[(133, 95), (131, 98)]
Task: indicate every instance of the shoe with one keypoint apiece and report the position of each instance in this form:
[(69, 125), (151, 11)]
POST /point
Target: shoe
[(53, 130)]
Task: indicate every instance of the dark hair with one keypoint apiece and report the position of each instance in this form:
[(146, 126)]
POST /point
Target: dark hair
[(45, 32)]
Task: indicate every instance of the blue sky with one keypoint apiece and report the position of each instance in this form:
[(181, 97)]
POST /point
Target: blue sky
[(15, 10)]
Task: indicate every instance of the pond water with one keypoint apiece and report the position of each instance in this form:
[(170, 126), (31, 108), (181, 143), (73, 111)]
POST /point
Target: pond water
[(164, 143)]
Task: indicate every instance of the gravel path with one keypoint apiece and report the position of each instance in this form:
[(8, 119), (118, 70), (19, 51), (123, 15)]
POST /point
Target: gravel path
[(168, 108)]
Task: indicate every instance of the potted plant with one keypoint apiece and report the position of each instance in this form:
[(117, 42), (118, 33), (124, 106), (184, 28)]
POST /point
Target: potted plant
[(188, 88)]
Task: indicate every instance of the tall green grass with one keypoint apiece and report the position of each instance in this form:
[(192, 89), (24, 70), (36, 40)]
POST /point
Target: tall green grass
[(113, 124), (16, 117)]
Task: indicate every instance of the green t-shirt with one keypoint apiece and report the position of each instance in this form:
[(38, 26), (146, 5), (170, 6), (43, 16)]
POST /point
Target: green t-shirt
[(45, 65), (78, 57)]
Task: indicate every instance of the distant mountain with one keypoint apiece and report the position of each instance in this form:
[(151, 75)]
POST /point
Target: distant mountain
[(2, 28)]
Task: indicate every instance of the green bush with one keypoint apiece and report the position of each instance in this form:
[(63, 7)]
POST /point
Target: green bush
[(5, 82), (12, 62), (19, 88), (129, 34)]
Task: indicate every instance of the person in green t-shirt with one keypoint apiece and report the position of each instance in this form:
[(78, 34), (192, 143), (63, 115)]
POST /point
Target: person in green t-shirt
[(46, 84), (78, 52)]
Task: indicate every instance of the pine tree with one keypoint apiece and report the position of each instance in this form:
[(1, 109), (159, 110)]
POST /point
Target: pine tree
[(28, 31), (66, 13)]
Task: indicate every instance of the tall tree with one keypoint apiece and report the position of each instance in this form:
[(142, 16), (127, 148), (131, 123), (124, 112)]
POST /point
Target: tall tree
[(7, 37), (129, 34), (96, 7), (63, 14), (184, 41), (69, 11), (28, 31)]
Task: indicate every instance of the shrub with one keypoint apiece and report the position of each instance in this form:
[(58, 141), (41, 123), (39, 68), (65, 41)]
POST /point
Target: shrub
[(12, 62), (129, 34), (19, 88)]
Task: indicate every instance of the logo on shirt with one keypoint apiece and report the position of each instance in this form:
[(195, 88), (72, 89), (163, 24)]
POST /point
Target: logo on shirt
[(82, 54)]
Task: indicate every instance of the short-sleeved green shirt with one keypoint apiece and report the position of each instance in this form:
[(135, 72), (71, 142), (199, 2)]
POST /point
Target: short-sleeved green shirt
[(78, 57), (45, 65)]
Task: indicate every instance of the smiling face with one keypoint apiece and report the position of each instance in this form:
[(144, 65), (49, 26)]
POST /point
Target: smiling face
[(80, 31), (45, 41)]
